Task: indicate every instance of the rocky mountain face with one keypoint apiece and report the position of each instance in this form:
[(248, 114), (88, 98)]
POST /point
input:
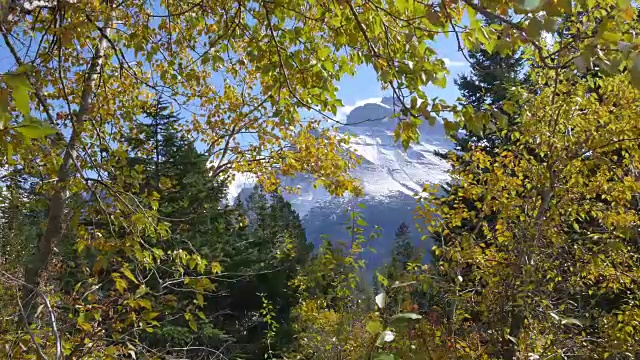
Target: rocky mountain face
[(391, 177)]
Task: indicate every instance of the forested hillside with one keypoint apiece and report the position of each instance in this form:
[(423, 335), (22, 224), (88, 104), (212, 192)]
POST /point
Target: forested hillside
[(123, 125)]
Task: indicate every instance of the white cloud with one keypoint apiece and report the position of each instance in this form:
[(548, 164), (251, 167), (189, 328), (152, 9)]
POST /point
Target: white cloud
[(343, 111), (454, 63), (239, 182)]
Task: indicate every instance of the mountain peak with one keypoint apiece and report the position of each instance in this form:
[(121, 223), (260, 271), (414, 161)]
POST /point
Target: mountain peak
[(389, 101), (369, 113), (375, 112)]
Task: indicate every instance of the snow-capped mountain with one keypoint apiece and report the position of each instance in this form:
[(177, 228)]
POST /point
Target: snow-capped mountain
[(390, 177)]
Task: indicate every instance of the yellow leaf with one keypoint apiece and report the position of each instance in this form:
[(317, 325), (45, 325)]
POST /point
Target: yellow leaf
[(120, 284), (150, 315), (215, 267), (145, 303), (128, 274)]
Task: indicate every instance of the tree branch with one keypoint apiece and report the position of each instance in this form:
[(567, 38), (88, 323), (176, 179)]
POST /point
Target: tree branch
[(57, 201)]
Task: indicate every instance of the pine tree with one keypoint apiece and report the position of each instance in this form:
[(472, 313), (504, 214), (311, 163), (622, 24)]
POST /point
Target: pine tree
[(402, 253), (189, 200), (21, 214), (154, 137), (397, 272), (274, 246), (487, 87)]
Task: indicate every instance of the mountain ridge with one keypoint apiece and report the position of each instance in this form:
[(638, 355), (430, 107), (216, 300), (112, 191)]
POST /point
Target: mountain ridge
[(391, 178)]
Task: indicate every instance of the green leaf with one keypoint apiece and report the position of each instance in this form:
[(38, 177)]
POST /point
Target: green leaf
[(473, 17), (193, 325), (141, 291), (323, 52), (610, 36), (534, 28), (571, 321), (361, 222), (120, 283), (490, 45), (34, 130), (20, 86), (384, 356), (21, 98), (550, 24), (385, 76), (128, 274), (215, 267), (474, 126), (404, 317), (440, 81), (24, 68), (150, 315), (17, 81), (5, 114), (374, 327), (383, 280), (327, 65), (624, 3), (565, 5), (146, 303), (530, 5)]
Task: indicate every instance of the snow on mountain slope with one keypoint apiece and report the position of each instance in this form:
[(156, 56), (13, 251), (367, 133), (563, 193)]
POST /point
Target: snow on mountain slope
[(386, 168), (390, 176)]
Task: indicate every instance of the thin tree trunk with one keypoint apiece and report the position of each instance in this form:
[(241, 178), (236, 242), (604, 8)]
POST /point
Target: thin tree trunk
[(518, 316), (58, 199), (517, 321)]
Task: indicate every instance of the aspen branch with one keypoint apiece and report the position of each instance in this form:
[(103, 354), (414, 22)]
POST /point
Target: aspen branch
[(57, 200)]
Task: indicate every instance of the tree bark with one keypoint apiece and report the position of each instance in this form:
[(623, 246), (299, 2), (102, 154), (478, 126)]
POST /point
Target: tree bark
[(517, 321), (58, 198), (518, 316)]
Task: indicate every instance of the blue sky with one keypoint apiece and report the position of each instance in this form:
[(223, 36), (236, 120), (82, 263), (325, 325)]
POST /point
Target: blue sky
[(364, 87)]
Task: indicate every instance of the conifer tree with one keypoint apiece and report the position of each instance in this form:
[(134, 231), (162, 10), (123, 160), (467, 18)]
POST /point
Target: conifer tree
[(274, 247), (487, 87), (402, 253)]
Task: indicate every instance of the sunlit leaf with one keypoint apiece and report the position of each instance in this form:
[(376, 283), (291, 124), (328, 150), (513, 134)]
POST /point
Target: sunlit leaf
[(530, 5), (384, 356), (385, 336), (374, 327), (404, 317), (381, 300)]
